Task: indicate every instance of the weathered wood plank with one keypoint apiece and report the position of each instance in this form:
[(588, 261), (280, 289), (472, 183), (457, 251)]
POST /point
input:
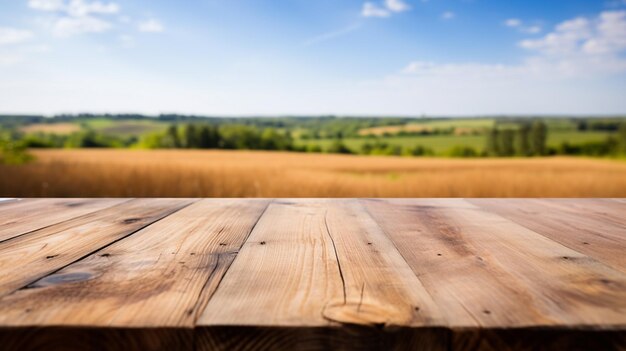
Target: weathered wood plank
[(466, 285), (319, 264), (158, 277), (25, 215), (46, 250), (589, 226), (284, 274), (559, 285), (379, 286)]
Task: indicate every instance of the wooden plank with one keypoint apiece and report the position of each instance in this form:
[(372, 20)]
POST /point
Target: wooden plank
[(23, 216), (589, 226), (157, 277), (450, 244), (284, 274), (46, 250), (315, 265), (464, 282)]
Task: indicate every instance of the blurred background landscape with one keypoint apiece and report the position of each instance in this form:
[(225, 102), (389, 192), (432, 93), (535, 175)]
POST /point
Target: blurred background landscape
[(173, 155), (388, 98)]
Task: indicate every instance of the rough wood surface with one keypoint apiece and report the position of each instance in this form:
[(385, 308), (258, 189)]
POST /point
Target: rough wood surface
[(46, 250), (313, 274), (158, 277), (598, 233), (18, 217)]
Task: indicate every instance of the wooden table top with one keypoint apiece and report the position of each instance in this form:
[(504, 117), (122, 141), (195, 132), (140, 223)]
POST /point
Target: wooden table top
[(420, 274)]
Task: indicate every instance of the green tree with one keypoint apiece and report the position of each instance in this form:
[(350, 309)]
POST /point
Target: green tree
[(539, 138), (338, 147), (209, 137), (13, 152), (492, 143), (522, 145), (462, 151), (171, 139), (192, 136), (621, 139), (506, 146)]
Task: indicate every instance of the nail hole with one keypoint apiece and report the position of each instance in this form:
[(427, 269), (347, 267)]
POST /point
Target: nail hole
[(262, 243)]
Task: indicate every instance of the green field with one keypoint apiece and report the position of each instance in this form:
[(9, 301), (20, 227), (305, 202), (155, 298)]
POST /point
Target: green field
[(123, 128), (440, 144)]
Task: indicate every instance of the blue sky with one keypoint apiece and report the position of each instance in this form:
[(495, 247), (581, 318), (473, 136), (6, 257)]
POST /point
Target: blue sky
[(279, 57)]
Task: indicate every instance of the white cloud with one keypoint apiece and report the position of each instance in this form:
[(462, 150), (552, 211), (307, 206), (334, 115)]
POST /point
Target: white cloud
[(397, 5), (531, 29), (68, 26), (372, 10), (46, 5), (513, 22), (578, 50), (150, 26), (604, 35), (519, 24), (385, 9), (78, 8), (75, 8), (448, 15), (14, 36), (76, 16)]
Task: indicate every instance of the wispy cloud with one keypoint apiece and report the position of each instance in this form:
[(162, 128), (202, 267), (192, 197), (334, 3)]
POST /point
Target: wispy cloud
[(448, 15), (14, 36), (372, 10), (397, 5), (385, 9), (521, 27), (151, 26), (76, 16), (68, 26), (75, 8), (330, 35), (579, 47)]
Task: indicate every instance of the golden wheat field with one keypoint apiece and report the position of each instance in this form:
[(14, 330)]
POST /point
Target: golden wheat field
[(121, 173)]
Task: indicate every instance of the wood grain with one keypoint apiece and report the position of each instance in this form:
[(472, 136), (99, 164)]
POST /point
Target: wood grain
[(594, 227), (46, 250), (18, 217), (318, 263), (558, 285), (284, 274), (313, 274), (158, 277)]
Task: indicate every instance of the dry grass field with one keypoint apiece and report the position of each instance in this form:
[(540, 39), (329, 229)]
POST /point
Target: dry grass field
[(120, 173)]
